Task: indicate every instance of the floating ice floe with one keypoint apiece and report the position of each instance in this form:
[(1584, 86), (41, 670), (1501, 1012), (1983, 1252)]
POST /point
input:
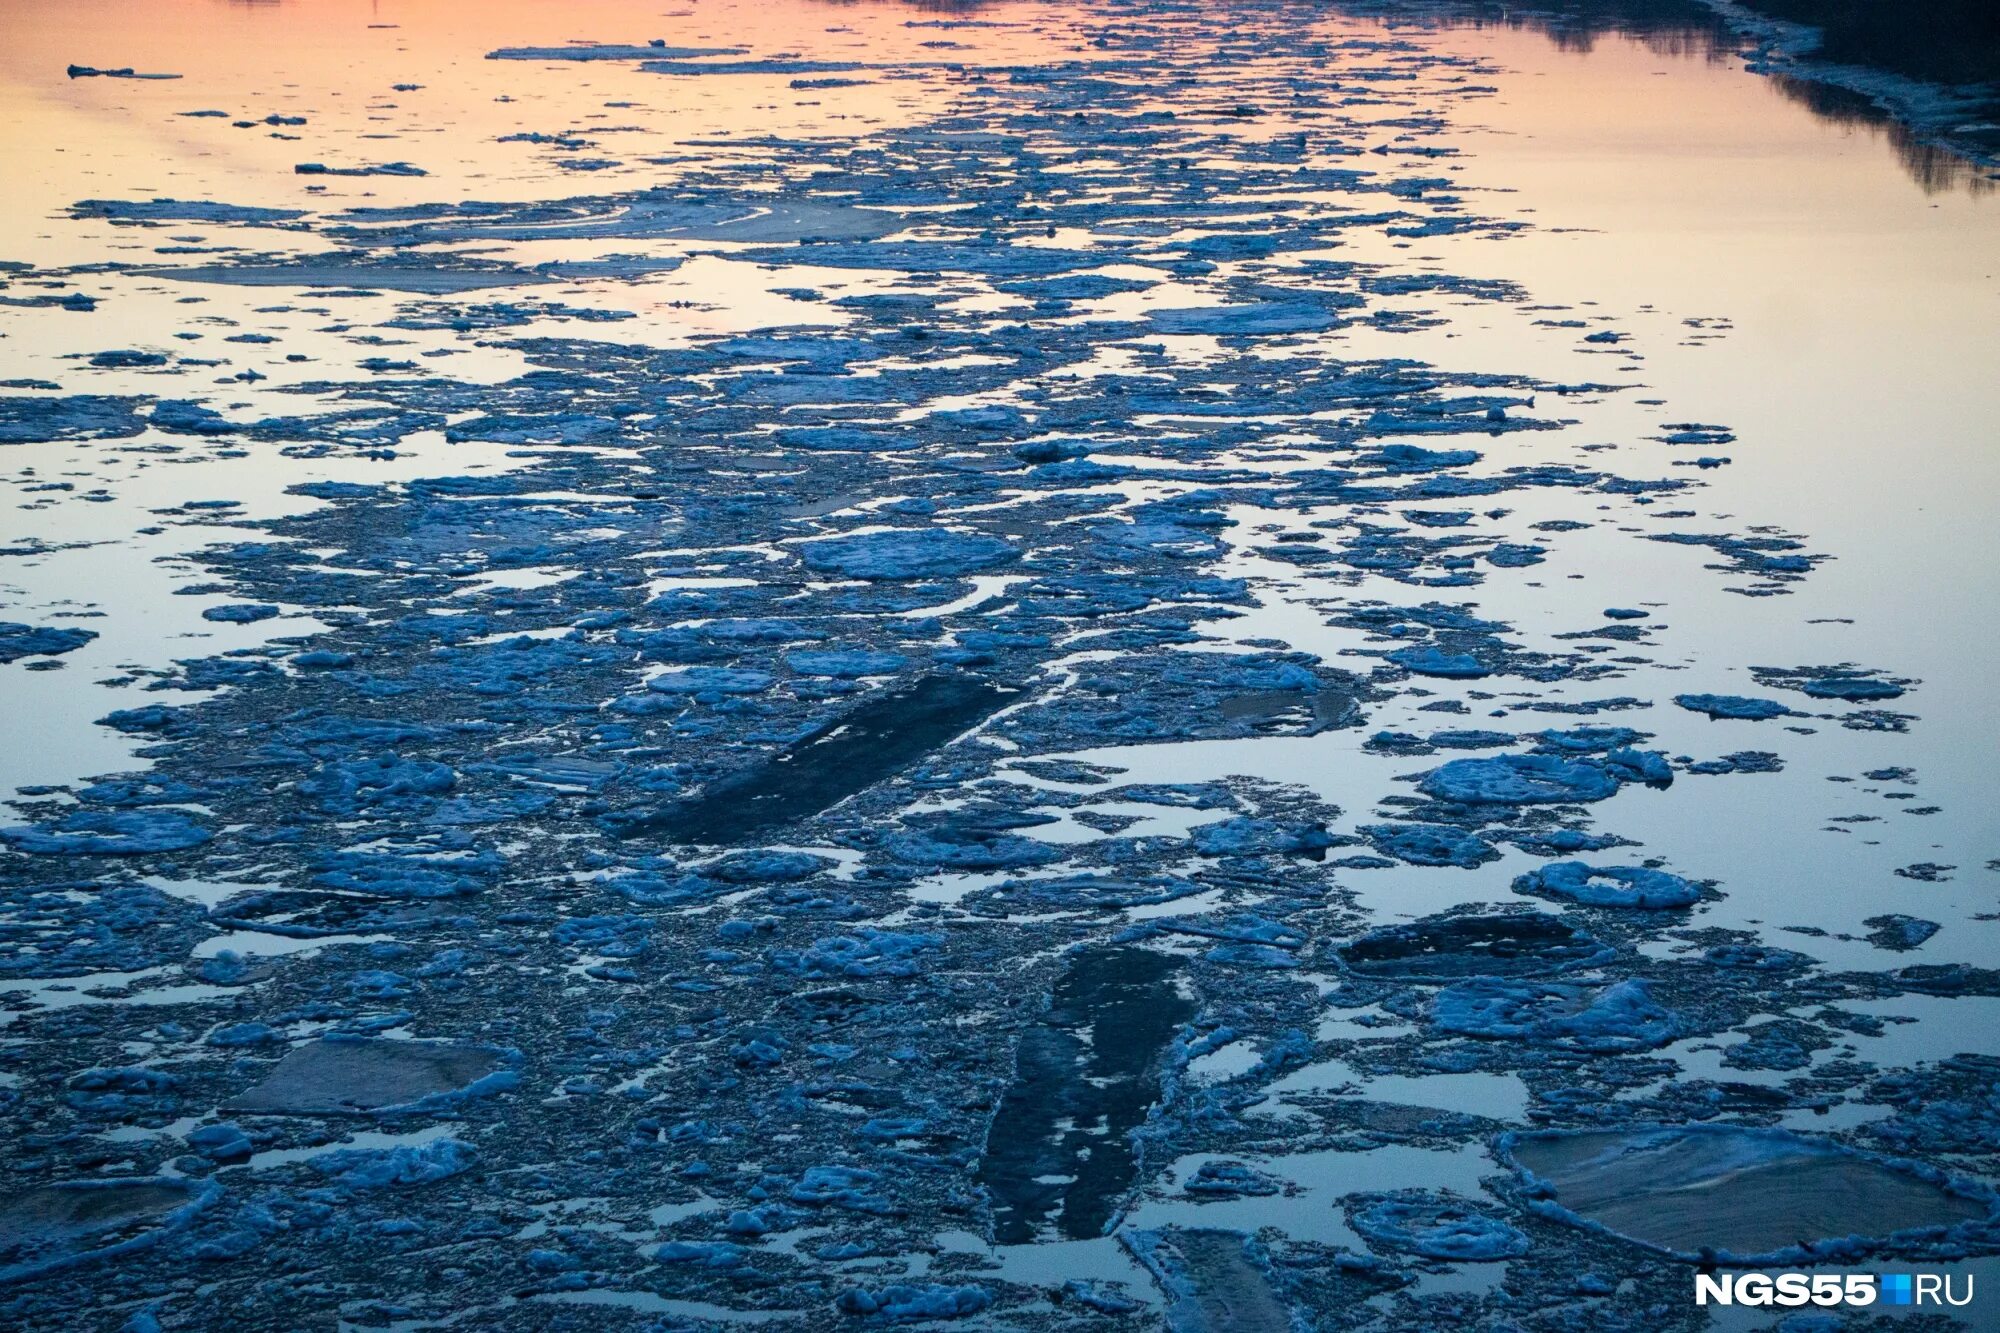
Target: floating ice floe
[(1745, 1196), (1609, 886)]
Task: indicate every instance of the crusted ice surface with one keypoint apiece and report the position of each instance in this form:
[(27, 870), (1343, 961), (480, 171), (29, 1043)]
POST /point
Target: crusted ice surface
[(866, 748), (1745, 1194), (337, 1076)]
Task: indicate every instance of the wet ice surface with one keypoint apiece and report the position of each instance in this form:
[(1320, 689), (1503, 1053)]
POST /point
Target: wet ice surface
[(1750, 1193), (1049, 668)]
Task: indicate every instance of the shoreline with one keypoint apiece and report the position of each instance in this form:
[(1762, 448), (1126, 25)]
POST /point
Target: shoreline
[(1963, 119), (1945, 132)]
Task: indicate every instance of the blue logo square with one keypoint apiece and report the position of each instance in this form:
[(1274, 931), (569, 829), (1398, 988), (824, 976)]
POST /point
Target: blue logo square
[(1896, 1288)]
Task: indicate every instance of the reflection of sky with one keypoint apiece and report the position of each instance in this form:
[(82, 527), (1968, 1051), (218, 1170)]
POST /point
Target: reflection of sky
[(337, 63), (1858, 331), (1696, 30), (1857, 375)]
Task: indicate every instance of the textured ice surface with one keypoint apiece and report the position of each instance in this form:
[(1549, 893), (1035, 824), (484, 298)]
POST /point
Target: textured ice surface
[(108, 833), (1609, 886), (18, 641), (47, 1228), (1519, 779), (919, 554), (1733, 706), (1435, 1227), (1623, 1017), (978, 702), (1448, 948), (1744, 1193), (349, 1076)]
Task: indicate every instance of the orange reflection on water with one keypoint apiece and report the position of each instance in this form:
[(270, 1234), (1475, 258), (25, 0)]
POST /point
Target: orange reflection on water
[(337, 64)]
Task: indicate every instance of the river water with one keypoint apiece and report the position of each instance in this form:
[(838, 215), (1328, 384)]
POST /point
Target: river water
[(1666, 254)]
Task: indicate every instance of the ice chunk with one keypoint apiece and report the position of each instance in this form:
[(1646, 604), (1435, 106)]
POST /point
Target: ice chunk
[(1231, 1180), (32, 419), (711, 680), (1897, 932), (375, 1076), (1518, 779), (1609, 886), (1759, 1195), (1733, 706), (1852, 689), (1260, 837), (1237, 321), (240, 613), (907, 553), (866, 953), (846, 665), (1619, 1018), (44, 1228), (1436, 1226), (765, 867), (908, 1302), (1430, 844), (379, 1168), (180, 210), (108, 833), (594, 51), (18, 641), (1435, 662), (400, 275), (1448, 948)]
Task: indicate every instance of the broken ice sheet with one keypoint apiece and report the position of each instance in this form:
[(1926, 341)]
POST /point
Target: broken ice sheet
[(1748, 1195), (374, 1076), (864, 748)]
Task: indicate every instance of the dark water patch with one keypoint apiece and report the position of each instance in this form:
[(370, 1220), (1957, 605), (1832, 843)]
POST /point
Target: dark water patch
[(857, 750), (1084, 1077), (311, 914)]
